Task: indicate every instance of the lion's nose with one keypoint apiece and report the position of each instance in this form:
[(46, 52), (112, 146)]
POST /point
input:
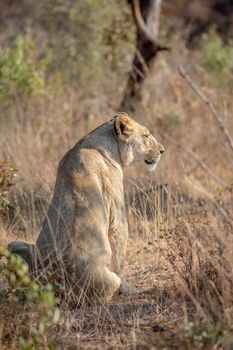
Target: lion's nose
[(161, 148)]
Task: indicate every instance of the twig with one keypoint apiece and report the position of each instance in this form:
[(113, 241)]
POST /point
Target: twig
[(197, 159), (142, 61), (198, 186), (143, 28), (153, 17), (210, 105), (185, 286), (221, 210)]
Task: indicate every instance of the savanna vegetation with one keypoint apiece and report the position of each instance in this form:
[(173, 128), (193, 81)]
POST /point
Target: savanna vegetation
[(65, 67)]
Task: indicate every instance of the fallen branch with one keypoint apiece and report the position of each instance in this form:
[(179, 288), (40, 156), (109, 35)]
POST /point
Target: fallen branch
[(210, 105)]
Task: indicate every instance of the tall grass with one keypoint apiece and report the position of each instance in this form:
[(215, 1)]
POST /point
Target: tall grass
[(180, 246)]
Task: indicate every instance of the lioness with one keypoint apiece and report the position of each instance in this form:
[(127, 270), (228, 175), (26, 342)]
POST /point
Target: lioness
[(85, 229)]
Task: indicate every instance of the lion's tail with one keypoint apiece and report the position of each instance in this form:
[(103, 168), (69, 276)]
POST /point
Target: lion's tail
[(23, 249)]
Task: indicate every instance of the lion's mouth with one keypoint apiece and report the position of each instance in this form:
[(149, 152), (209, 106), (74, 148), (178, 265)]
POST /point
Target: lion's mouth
[(150, 162)]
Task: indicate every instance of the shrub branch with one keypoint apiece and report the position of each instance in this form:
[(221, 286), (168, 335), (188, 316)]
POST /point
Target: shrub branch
[(209, 104)]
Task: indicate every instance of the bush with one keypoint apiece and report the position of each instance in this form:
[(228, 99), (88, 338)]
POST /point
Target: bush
[(27, 308), (216, 56), (21, 73), (7, 175), (94, 41), (200, 335), (82, 41)]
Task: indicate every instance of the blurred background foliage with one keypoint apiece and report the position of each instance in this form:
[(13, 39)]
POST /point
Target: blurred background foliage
[(217, 56), (20, 72), (88, 45), (71, 42)]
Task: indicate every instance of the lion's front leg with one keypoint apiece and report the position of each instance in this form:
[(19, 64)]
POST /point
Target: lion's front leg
[(118, 237), (118, 241)]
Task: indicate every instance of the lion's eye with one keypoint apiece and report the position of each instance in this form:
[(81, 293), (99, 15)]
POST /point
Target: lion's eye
[(146, 135)]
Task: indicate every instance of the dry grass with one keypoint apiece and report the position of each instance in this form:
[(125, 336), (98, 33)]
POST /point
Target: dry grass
[(180, 252)]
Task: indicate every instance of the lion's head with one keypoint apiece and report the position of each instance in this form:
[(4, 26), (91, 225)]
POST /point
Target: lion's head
[(136, 142)]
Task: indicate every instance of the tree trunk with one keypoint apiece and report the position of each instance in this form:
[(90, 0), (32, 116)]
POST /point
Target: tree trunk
[(146, 15)]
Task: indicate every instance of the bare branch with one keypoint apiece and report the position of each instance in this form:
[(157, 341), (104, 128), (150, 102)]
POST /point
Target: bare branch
[(197, 159), (209, 104), (153, 17), (146, 17), (210, 196), (142, 61), (141, 25), (142, 28), (198, 186)]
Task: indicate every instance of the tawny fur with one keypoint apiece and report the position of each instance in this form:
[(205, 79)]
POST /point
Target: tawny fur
[(85, 229)]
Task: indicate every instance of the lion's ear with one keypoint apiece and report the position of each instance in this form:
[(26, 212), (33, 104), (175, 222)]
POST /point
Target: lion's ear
[(123, 127)]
